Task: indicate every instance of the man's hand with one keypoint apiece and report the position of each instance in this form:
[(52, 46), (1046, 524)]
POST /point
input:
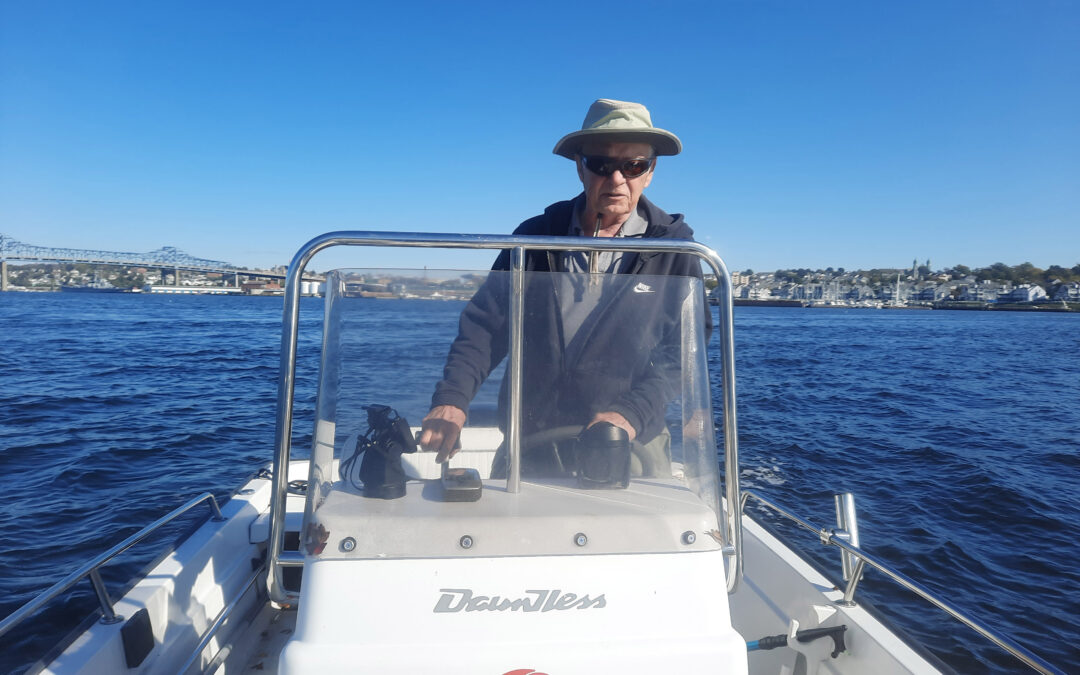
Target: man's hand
[(616, 419), (440, 430)]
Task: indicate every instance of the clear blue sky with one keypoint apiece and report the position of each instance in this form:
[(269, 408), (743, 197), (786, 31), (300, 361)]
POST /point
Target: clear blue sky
[(845, 134)]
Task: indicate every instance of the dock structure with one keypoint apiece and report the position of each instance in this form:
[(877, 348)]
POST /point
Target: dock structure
[(197, 290)]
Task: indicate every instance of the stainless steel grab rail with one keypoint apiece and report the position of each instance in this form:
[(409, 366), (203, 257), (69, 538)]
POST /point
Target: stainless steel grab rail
[(91, 568), (829, 538), (210, 633), (519, 245)]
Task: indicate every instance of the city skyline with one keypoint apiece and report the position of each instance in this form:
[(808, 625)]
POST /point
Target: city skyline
[(816, 135)]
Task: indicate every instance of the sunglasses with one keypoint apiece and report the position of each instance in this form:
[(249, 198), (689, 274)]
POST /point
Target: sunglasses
[(605, 166)]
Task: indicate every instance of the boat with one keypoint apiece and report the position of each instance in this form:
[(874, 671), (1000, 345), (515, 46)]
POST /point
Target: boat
[(530, 552)]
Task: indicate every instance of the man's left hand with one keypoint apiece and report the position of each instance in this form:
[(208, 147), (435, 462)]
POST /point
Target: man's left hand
[(616, 419)]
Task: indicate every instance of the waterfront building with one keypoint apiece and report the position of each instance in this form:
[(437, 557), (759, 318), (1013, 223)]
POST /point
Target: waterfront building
[(983, 291), (808, 292), (1069, 292), (895, 293), (759, 293), (1024, 293), (933, 292), (925, 293), (858, 292)]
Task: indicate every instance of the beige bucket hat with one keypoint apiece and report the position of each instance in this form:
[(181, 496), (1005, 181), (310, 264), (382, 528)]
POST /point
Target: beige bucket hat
[(618, 122)]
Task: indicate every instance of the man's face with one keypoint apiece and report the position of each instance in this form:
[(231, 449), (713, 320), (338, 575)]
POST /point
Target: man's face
[(614, 196)]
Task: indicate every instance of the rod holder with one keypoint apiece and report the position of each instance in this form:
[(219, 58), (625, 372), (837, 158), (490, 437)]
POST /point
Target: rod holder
[(848, 531), (849, 592)]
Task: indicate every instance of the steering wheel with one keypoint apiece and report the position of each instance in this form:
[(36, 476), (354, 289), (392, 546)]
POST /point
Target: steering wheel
[(554, 435)]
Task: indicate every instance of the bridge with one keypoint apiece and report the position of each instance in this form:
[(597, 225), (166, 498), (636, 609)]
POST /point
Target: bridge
[(168, 259)]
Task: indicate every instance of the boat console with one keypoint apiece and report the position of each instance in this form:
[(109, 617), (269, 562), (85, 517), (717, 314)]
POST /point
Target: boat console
[(567, 553)]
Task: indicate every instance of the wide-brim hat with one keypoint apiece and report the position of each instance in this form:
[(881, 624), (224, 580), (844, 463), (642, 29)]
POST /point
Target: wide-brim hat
[(611, 121)]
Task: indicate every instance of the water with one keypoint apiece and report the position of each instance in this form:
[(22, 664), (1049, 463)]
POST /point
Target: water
[(959, 433)]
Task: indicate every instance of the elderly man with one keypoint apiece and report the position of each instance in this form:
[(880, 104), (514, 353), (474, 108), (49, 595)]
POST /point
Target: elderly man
[(576, 368)]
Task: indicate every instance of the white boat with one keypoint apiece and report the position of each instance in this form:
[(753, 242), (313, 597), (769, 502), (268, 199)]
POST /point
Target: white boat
[(541, 567)]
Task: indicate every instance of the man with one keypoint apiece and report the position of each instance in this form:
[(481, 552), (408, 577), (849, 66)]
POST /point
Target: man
[(583, 365)]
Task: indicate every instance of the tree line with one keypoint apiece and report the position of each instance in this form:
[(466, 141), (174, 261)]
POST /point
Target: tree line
[(1024, 273)]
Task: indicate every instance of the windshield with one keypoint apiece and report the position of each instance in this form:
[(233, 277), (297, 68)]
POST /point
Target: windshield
[(592, 345)]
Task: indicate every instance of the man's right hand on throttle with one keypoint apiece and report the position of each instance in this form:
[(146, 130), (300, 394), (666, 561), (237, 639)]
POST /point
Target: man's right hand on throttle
[(440, 431)]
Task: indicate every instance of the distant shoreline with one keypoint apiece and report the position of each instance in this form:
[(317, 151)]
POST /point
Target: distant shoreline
[(1069, 308), (1052, 307)]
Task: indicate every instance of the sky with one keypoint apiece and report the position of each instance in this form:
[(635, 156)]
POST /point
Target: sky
[(816, 134)]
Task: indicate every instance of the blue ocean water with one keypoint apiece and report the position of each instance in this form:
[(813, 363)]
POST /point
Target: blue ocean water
[(959, 433)]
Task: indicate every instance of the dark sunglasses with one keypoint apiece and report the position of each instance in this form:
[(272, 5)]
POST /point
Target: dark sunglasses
[(605, 166)]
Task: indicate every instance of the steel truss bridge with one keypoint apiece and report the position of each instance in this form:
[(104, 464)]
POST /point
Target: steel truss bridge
[(167, 258)]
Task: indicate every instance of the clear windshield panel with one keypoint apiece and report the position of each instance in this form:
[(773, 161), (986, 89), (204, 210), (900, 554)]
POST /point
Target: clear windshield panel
[(617, 454)]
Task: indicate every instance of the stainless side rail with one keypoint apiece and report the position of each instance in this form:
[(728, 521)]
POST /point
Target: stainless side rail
[(90, 569), (224, 615), (828, 538), (289, 340)]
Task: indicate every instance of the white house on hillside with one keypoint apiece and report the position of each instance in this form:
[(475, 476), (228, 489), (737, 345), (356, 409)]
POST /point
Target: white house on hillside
[(1069, 292), (1024, 293)]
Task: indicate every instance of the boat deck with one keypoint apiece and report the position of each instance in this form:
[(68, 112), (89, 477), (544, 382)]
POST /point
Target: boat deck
[(260, 648)]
